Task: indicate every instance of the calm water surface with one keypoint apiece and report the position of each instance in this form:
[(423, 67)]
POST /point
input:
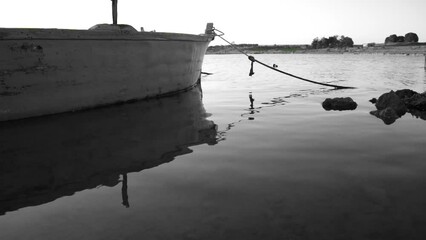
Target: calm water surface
[(215, 168)]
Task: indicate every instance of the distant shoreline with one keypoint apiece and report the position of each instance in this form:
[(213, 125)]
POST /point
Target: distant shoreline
[(407, 49)]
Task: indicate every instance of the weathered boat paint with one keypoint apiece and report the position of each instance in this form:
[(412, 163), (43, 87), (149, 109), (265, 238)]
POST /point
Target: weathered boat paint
[(47, 71)]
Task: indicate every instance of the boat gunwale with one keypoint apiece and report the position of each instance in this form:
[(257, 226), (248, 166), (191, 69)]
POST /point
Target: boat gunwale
[(15, 34)]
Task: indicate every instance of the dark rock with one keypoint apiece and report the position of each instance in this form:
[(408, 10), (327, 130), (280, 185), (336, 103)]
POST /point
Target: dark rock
[(388, 115), (418, 114), (405, 93), (373, 100), (417, 102), (393, 105), (339, 104), (391, 100)]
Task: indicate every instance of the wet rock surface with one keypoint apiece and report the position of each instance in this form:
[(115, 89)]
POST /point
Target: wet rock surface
[(388, 115), (391, 100), (393, 105), (418, 114), (405, 93), (339, 104), (417, 102)]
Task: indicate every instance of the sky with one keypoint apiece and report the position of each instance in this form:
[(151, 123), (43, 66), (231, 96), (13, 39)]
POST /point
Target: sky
[(263, 22)]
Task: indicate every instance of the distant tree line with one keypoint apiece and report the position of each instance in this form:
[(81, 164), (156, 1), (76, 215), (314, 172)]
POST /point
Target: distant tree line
[(408, 38), (332, 42)]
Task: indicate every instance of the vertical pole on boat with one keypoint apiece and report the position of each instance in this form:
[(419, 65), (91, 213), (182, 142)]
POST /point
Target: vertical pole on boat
[(124, 194), (114, 12)]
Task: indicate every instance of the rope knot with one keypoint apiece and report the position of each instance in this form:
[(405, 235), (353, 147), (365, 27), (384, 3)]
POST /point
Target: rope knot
[(252, 59)]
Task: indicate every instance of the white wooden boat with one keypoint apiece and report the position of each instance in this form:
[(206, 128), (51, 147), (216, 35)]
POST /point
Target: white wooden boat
[(47, 71)]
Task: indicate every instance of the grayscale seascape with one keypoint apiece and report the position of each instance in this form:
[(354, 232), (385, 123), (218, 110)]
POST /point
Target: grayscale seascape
[(204, 164)]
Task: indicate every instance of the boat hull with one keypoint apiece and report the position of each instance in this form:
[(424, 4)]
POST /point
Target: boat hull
[(51, 71)]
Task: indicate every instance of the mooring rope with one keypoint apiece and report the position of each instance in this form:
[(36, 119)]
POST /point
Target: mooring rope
[(252, 59)]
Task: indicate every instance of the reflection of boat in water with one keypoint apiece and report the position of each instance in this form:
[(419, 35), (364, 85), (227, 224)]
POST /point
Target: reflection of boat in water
[(42, 159), (47, 71)]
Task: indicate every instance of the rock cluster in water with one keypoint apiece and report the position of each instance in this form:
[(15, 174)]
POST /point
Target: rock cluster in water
[(393, 105), (339, 104)]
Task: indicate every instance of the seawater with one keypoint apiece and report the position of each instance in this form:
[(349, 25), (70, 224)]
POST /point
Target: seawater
[(284, 168)]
